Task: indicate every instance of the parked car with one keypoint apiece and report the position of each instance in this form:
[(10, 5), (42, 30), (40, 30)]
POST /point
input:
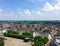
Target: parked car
[(26, 39)]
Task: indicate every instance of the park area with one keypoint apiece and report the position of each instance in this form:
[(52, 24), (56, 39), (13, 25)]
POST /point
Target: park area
[(12, 38)]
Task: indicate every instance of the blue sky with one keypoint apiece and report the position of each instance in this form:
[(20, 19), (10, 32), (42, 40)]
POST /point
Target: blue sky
[(29, 9)]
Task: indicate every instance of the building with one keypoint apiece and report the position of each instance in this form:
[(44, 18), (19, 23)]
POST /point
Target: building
[(1, 33)]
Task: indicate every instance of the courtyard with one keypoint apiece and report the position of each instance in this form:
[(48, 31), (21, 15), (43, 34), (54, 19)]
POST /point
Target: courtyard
[(15, 42)]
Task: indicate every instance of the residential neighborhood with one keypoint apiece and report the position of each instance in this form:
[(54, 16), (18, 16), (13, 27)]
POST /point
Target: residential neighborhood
[(37, 29)]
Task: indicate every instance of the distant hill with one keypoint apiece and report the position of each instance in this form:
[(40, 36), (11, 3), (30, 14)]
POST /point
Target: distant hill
[(31, 21)]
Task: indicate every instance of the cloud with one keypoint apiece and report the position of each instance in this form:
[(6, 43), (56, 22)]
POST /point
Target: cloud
[(1, 11), (35, 1), (51, 12), (58, 1), (38, 12), (27, 12), (49, 7), (20, 12), (21, 15)]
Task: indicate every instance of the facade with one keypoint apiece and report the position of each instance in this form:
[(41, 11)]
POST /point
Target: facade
[(1, 33)]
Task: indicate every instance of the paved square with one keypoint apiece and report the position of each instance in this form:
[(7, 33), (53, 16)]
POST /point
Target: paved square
[(15, 42)]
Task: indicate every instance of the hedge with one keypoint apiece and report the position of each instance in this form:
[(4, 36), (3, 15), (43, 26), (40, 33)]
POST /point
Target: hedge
[(16, 35), (13, 35), (1, 42), (14, 32)]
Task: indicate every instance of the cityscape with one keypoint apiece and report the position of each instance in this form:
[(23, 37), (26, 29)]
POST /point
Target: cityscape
[(29, 22), (35, 28)]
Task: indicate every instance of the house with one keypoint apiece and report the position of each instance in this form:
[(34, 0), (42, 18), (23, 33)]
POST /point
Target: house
[(6, 26), (1, 33)]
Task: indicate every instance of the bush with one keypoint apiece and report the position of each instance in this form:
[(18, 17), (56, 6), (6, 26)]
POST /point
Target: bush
[(38, 44), (40, 41), (1, 42), (27, 35), (38, 38), (45, 40)]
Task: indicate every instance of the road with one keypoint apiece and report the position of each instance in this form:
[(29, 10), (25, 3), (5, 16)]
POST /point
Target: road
[(53, 44)]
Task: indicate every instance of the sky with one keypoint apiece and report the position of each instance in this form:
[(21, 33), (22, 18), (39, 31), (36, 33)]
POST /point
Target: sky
[(29, 9)]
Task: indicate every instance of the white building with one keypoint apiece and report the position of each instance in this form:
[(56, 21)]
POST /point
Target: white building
[(1, 33)]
